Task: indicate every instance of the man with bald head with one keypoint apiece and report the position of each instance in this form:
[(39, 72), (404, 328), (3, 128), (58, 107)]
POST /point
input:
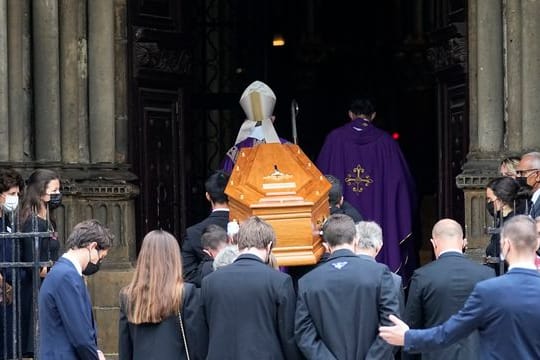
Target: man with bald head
[(528, 173), (440, 288), (503, 310)]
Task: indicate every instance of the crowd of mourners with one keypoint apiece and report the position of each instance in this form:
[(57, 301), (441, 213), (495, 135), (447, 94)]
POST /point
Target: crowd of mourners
[(223, 296)]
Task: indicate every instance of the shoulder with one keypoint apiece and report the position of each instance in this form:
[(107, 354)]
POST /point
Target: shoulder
[(490, 286), (337, 132), (62, 276)]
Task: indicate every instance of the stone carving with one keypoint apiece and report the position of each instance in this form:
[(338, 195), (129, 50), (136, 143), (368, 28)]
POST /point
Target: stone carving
[(151, 56), (453, 52)]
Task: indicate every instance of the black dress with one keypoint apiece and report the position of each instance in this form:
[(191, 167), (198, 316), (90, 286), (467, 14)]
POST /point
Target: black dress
[(48, 250), (493, 250)]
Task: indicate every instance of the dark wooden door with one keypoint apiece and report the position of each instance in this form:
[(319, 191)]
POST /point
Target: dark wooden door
[(448, 54), (159, 65)]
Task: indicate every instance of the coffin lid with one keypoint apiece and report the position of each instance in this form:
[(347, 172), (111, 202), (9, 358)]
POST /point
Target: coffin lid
[(276, 175)]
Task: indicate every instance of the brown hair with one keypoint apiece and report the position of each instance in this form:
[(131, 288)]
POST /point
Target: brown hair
[(255, 232), (339, 229), (36, 187), (89, 231), (10, 178), (155, 292)]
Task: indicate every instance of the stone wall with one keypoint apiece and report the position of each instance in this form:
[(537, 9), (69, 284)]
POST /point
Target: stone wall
[(63, 106)]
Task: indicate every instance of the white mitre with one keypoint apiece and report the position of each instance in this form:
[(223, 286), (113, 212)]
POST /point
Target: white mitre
[(258, 102)]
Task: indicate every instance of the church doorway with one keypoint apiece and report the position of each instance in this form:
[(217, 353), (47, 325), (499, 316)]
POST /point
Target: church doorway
[(190, 61)]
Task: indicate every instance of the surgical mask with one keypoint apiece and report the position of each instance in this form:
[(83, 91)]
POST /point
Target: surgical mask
[(11, 202), (55, 200)]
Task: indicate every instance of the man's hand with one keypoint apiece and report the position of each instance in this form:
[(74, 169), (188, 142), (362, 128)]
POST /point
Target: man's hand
[(394, 335), (101, 356)]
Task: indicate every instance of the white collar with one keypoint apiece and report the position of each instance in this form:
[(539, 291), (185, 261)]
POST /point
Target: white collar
[(522, 265), (451, 251), (220, 209), (74, 261)]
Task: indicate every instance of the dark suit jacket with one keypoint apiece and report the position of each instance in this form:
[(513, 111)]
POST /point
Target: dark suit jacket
[(341, 304), (504, 310), (164, 340), (206, 267), (66, 323), (398, 285), (192, 252), (437, 291), (249, 308), (347, 209)]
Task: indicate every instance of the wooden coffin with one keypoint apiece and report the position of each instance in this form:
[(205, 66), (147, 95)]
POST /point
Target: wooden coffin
[(280, 184)]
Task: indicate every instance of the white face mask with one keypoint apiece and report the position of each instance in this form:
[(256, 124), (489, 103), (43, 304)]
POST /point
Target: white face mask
[(11, 202)]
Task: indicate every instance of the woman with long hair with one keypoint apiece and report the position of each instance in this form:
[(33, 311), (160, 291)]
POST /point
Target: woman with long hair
[(41, 196), (160, 315), (505, 199)]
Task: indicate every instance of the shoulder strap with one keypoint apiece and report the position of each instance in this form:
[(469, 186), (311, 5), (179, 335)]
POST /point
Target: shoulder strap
[(182, 330)]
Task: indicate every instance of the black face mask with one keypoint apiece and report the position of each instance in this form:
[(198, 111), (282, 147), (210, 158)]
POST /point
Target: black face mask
[(55, 201), (522, 181), (91, 268), (490, 208)]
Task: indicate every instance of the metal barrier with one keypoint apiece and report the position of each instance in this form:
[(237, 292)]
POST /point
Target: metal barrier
[(14, 291)]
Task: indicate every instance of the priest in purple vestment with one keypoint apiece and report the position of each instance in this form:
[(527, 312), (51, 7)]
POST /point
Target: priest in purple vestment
[(376, 180), (258, 102)]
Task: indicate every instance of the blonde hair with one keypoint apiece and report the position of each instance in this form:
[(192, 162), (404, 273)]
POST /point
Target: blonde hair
[(155, 292)]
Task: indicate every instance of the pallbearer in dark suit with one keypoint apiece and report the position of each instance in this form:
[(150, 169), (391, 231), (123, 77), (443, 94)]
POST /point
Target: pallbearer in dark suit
[(192, 251), (66, 323), (249, 306), (342, 302), (503, 309), (370, 242), (439, 289)]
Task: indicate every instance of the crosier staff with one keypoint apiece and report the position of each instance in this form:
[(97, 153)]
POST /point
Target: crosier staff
[(294, 112)]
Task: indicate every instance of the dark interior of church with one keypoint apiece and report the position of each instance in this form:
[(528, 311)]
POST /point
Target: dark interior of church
[(395, 52)]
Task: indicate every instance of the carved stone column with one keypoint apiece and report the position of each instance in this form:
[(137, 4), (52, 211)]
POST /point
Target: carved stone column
[(16, 98), (521, 70), (489, 75), (531, 74), (486, 74), (513, 136), (101, 80), (73, 81), (4, 107), (47, 80), (120, 75)]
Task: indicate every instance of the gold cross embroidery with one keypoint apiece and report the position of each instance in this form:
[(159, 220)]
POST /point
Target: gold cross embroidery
[(358, 182)]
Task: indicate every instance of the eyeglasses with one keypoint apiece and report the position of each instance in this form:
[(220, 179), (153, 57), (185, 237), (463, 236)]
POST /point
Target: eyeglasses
[(523, 172)]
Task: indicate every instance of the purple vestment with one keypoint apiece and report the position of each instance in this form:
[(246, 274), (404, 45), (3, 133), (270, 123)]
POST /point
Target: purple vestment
[(377, 181), (230, 158)]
